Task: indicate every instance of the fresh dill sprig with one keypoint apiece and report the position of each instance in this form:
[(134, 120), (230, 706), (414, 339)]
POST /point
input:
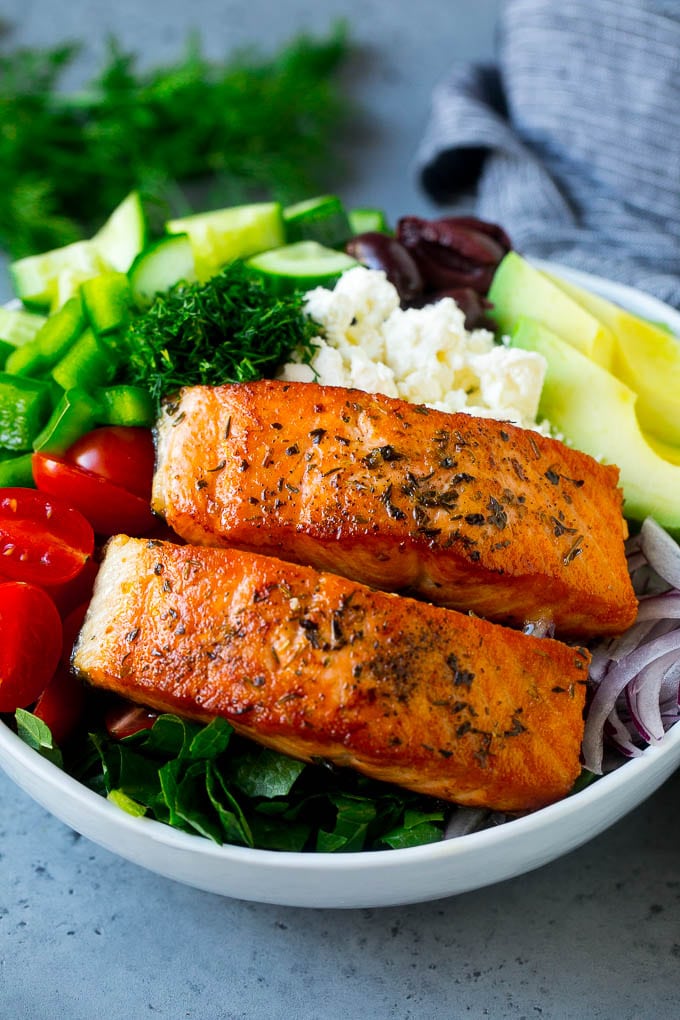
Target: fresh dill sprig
[(229, 329), (242, 130)]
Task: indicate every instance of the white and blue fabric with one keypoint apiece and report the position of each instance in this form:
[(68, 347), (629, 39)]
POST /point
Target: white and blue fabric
[(571, 140)]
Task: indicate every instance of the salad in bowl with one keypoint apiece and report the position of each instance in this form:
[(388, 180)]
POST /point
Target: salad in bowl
[(320, 538)]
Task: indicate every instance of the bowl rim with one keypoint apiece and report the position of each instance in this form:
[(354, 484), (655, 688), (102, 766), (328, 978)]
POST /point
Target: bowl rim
[(599, 790)]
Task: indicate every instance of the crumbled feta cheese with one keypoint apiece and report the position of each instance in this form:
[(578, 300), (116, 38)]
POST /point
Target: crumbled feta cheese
[(424, 355)]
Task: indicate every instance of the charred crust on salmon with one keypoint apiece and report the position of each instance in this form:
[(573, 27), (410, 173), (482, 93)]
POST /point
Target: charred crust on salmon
[(318, 666), (400, 497)]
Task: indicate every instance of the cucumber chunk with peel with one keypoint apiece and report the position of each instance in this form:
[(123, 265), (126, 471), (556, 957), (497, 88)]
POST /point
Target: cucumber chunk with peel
[(161, 266), (321, 219), (221, 236), (18, 327), (300, 266), (123, 235), (48, 280), (364, 221)]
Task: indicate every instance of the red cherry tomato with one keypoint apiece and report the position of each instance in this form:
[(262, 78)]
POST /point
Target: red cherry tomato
[(109, 508), (42, 539), (122, 455), (60, 706), (30, 643)]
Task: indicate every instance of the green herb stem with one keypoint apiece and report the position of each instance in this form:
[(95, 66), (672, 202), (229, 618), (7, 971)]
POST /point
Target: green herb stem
[(226, 330), (250, 126)]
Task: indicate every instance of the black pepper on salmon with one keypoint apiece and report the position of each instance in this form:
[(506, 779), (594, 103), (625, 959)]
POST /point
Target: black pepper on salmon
[(466, 512), (318, 666)]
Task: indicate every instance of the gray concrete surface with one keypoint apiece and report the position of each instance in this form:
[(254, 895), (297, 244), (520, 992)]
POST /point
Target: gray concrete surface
[(85, 935)]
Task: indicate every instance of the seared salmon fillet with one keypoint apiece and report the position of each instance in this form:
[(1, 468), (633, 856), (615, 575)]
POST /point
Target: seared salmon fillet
[(318, 666), (466, 512)]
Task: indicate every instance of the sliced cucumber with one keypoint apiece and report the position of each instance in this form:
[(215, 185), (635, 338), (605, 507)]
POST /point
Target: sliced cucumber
[(18, 327), (160, 266), (49, 279), (303, 265), (223, 235), (364, 220), (321, 219), (123, 235)]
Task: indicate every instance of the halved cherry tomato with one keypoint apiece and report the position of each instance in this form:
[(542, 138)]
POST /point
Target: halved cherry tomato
[(30, 643), (122, 455), (109, 508), (61, 704), (43, 540)]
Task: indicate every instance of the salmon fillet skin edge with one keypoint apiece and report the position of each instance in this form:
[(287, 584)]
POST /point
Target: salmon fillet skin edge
[(321, 667), (465, 512)]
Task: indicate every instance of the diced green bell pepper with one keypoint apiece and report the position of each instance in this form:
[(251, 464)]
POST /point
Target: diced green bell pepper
[(75, 414), (17, 470), (51, 342), (107, 300), (24, 406), (86, 364), (78, 412), (5, 351), (126, 405)]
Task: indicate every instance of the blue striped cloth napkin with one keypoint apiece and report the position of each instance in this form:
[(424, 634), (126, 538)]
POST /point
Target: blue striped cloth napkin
[(572, 139)]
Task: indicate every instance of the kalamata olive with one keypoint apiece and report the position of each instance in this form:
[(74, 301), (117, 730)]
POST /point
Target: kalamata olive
[(381, 251), (454, 251)]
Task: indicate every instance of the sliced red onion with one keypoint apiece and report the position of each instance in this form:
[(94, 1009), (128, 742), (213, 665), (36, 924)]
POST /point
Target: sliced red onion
[(637, 675), (635, 561), (465, 820), (643, 695), (618, 734), (619, 648), (662, 552), (611, 686), (670, 688), (660, 607)]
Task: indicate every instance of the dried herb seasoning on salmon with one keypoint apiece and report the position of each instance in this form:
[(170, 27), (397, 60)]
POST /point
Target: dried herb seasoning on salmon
[(467, 512)]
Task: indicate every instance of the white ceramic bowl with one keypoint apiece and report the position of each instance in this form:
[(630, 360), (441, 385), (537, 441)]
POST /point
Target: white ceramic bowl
[(370, 879)]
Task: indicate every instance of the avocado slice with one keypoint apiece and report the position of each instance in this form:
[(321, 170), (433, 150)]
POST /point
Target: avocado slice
[(596, 413), (646, 358), (664, 450), (519, 289)]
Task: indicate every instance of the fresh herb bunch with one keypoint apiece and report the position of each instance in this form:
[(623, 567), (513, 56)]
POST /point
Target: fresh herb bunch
[(250, 127), (204, 779), (229, 329)]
